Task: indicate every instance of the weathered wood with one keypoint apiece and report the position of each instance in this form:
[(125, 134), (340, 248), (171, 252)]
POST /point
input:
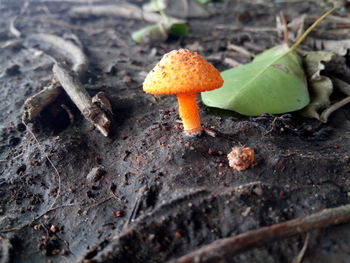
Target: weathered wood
[(35, 104), (78, 94)]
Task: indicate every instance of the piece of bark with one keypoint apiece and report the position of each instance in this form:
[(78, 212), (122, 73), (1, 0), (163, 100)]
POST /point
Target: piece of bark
[(227, 248), (78, 94), (35, 104)]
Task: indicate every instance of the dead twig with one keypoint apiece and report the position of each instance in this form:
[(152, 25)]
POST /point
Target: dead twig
[(13, 30), (62, 24), (240, 50), (325, 114), (78, 94), (229, 247), (123, 10), (343, 87), (285, 28), (301, 254), (11, 43), (111, 190), (72, 51), (246, 29), (231, 62)]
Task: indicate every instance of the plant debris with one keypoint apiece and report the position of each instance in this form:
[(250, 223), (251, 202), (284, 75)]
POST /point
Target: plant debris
[(241, 158), (320, 86), (75, 90)]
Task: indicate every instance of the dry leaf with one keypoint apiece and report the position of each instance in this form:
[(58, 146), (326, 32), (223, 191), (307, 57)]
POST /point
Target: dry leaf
[(320, 87)]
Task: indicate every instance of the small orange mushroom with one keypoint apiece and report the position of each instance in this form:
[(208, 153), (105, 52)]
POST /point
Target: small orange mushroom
[(184, 73)]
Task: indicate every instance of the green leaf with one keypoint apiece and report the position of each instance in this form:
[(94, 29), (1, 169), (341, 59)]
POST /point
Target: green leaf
[(274, 82), (203, 2), (179, 29), (150, 34)]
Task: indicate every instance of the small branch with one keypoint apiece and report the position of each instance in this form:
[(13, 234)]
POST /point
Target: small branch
[(35, 104), (72, 51), (301, 254), (123, 10), (240, 50), (325, 114), (229, 247), (343, 87), (13, 30), (285, 28), (78, 94), (246, 29)]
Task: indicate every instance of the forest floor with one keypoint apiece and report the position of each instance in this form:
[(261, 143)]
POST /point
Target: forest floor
[(162, 194)]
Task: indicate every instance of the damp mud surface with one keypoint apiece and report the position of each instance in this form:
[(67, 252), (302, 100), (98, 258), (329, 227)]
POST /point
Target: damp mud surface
[(156, 194)]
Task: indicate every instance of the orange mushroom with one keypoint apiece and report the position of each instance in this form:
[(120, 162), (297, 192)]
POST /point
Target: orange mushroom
[(184, 73)]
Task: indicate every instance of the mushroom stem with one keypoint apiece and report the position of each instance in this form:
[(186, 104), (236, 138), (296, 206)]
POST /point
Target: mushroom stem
[(189, 113)]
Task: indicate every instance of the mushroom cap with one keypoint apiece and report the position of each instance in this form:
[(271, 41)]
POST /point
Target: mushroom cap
[(182, 71)]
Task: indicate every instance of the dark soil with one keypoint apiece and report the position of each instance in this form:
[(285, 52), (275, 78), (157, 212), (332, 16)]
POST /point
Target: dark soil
[(161, 194)]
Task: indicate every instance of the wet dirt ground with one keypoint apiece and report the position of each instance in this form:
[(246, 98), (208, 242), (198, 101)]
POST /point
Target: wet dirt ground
[(162, 194)]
